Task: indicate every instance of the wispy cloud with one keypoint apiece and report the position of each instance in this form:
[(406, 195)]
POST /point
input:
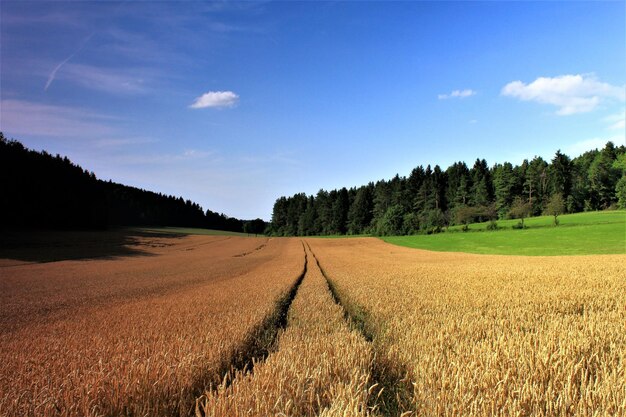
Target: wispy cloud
[(20, 117), (570, 93), (160, 159), (110, 80), (457, 94), (285, 158), (616, 121), (215, 99), (123, 142), (56, 69)]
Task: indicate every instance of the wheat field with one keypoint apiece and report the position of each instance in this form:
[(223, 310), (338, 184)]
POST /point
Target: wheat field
[(232, 326), (479, 335), (134, 336), (320, 366)]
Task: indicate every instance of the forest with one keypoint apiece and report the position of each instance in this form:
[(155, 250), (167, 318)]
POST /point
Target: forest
[(40, 190), (430, 199)]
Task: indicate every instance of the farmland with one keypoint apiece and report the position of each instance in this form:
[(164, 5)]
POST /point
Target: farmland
[(137, 335), (490, 335), (176, 325)]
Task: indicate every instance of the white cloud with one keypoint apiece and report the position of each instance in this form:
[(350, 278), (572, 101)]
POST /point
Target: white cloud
[(215, 99), (457, 94), (616, 121), (570, 93)]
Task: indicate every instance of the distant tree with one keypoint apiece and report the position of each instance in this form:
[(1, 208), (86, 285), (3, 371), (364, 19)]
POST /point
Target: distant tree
[(432, 221), (361, 211), (340, 208), (411, 223), (560, 173), (620, 187), (257, 226), (555, 207), (536, 183), (504, 184), (520, 209), (414, 183), (480, 191), (458, 184), (382, 200), (425, 198), (620, 192), (439, 180), (580, 192), (323, 204), (392, 222), (464, 215), (603, 178), (307, 222)]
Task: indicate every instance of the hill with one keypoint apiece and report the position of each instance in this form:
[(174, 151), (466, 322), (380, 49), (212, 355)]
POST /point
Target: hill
[(42, 191)]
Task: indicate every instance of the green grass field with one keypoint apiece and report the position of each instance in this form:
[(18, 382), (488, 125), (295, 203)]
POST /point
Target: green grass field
[(578, 234)]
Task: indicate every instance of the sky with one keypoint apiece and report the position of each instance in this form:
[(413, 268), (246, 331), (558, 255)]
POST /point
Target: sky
[(233, 105)]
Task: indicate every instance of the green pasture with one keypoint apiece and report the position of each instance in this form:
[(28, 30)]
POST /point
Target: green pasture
[(577, 234)]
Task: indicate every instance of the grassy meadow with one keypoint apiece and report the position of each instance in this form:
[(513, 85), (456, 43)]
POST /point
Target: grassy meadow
[(577, 234)]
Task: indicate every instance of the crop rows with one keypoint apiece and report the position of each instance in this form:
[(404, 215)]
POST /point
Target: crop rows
[(320, 366), (491, 335), (190, 318), (218, 327)]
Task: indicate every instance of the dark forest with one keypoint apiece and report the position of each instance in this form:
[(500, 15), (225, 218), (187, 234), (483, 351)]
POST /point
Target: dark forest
[(42, 191)]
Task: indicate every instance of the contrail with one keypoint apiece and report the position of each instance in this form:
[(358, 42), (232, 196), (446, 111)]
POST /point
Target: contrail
[(58, 67)]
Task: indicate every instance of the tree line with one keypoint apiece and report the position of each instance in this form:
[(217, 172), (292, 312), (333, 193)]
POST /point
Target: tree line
[(40, 190), (430, 199)]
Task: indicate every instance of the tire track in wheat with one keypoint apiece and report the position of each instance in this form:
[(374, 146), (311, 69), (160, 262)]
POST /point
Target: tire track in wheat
[(320, 367), (394, 389)]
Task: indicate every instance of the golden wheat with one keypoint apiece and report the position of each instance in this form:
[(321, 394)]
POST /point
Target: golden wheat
[(321, 367), (166, 327), (484, 335)]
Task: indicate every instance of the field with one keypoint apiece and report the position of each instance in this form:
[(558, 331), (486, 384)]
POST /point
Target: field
[(577, 234), (178, 325), (475, 335), (141, 334)]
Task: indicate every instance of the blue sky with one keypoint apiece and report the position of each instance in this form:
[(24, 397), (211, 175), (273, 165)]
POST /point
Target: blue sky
[(235, 104)]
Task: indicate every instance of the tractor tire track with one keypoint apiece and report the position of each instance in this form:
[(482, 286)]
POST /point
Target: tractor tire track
[(258, 248), (395, 393), (259, 343)]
